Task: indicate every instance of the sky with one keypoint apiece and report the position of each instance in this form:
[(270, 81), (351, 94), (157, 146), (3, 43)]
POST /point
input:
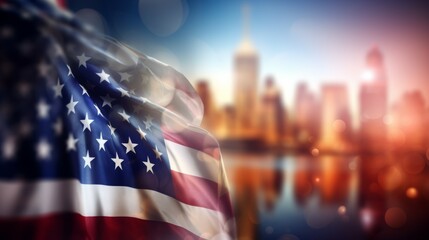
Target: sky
[(317, 42)]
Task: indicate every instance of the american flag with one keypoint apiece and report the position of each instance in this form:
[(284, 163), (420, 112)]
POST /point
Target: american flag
[(99, 141)]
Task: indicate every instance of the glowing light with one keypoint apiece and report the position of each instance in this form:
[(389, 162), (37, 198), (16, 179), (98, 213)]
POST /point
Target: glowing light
[(412, 192), (317, 180), (315, 152), (390, 178), (368, 75), (342, 210), (163, 17), (269, 230), (353, 164), (395, 217), (367, 218), (413, 163), (339, 125), (387, 119)]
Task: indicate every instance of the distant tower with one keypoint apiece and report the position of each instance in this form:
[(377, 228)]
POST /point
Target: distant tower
[(336, 127), (373, 103), (246, 67), (272, 113), (209, 120), (307, 116)]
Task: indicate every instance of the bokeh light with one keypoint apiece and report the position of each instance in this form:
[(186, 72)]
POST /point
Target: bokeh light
[(395, 217), (163, 17)]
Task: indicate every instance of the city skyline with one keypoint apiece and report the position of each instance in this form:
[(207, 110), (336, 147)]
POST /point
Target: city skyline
[(318, 43)]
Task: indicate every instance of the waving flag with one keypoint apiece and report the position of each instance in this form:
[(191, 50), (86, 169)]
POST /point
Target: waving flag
[(99, 141)]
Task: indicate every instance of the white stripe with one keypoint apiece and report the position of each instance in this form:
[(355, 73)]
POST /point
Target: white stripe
[(192, 162), (27, 199)]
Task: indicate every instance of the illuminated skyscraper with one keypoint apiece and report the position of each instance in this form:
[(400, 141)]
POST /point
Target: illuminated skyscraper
[(246, 67), (209, 120), (272, 114), (373, 103), (336, 126), (307, 116)]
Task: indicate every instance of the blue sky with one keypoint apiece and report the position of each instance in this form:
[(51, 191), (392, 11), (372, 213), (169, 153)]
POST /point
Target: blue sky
[(315, 41)]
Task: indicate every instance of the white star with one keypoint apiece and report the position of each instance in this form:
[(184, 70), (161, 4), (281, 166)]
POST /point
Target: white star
[(83, 90), (44, 69), (87, 160), (71, 143), (112, 129), (43, 149), (25, 128), (123, 92), (86, 123), (43, 109), (58, 126), (9, 148), (149, 165), (98, 110), (118, 162), (70, 106), (124, 115), (70, 73), (101, 142), (83, 59), (107, 100), (6, 32), (57, 89), (130, 146), (144, 100), (125, 76), (103, 76), (24, 89), (142, 134), (158, 154), (148, 123)]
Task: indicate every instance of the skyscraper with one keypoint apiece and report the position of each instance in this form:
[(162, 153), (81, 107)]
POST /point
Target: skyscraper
[(210, 119), (336, 126), (307, 116), (272, 115), (246, 70), (373, 103)]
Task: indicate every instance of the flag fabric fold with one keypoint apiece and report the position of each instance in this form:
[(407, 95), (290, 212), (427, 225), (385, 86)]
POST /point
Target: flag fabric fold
[(99, 141)]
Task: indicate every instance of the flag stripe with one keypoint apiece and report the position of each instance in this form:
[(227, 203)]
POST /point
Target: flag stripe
[(192, 162), (198, 192), (75, 226), (49, 197), (194, 138)]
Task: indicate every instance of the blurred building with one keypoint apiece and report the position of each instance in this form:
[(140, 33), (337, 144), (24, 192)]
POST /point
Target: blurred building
[(272, 113), (373, 103), (246, 71), (210, 120), (307, 116), (336, 123), (408, 122)]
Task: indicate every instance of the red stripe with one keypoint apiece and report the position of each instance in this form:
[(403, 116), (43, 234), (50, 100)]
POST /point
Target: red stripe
[(200, 192), (194, 138), (75, 226)]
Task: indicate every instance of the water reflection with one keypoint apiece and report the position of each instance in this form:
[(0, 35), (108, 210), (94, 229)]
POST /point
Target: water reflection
[(329, 196)]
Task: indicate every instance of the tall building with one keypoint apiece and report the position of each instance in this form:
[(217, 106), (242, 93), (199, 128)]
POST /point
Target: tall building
[(409, 116), (373, 103), (272, 113), (246, 71), (210, 119), (307, 116), (336, 123)]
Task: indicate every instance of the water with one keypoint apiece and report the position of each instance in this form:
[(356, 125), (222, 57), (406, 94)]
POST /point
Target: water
[(329, 197)]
